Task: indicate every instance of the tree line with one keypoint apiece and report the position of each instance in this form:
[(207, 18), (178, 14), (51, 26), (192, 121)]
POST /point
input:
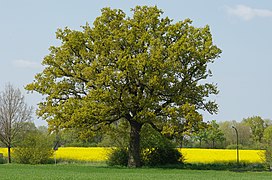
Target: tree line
[(253, 133)]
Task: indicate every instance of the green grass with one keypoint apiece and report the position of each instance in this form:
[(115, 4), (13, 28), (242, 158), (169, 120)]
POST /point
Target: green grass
[(88, 171)]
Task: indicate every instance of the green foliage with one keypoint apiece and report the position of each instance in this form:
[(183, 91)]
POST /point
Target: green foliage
[(36, 148), (119, 157), (161, 156)]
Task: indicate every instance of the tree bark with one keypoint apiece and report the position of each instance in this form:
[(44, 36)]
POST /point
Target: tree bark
[(134, 155), (9, 158)]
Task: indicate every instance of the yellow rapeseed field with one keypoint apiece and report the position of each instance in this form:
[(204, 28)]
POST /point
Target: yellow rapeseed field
[(4, 151), (192, 155), (83, 154)]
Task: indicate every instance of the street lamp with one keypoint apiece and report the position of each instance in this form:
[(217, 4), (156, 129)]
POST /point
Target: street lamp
[(237, 147)]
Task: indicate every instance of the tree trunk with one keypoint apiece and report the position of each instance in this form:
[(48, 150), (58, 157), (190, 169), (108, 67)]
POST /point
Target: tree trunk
[(9, 158), (134, 155), (181, 142)]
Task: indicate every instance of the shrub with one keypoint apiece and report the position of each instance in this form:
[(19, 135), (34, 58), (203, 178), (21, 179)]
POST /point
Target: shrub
[(268, 157), (36, 148), (234, 146), (3, 160), (157, 150), (161, 156), (118, 157)]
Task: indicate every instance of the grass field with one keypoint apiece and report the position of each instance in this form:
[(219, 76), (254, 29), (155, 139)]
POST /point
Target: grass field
[(88, 171)]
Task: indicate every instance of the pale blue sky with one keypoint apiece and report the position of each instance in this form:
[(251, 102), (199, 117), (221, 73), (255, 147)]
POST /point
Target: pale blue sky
[(241, 28)]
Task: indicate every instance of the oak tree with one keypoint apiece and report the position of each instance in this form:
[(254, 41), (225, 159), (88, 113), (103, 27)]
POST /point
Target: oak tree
[(141, 69)]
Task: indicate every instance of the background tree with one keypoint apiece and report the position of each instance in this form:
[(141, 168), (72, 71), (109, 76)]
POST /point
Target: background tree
[(210, 136), (230, 135), (226, 128), (143, 69), (214, 134), (116, 135), (199, 138), (72, 137), (13, 113), (257, 126)]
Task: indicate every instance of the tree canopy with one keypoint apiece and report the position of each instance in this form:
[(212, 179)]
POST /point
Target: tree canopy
[(142, 69)]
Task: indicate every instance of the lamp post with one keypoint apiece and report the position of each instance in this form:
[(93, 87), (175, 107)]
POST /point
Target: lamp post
[(237, 147)]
